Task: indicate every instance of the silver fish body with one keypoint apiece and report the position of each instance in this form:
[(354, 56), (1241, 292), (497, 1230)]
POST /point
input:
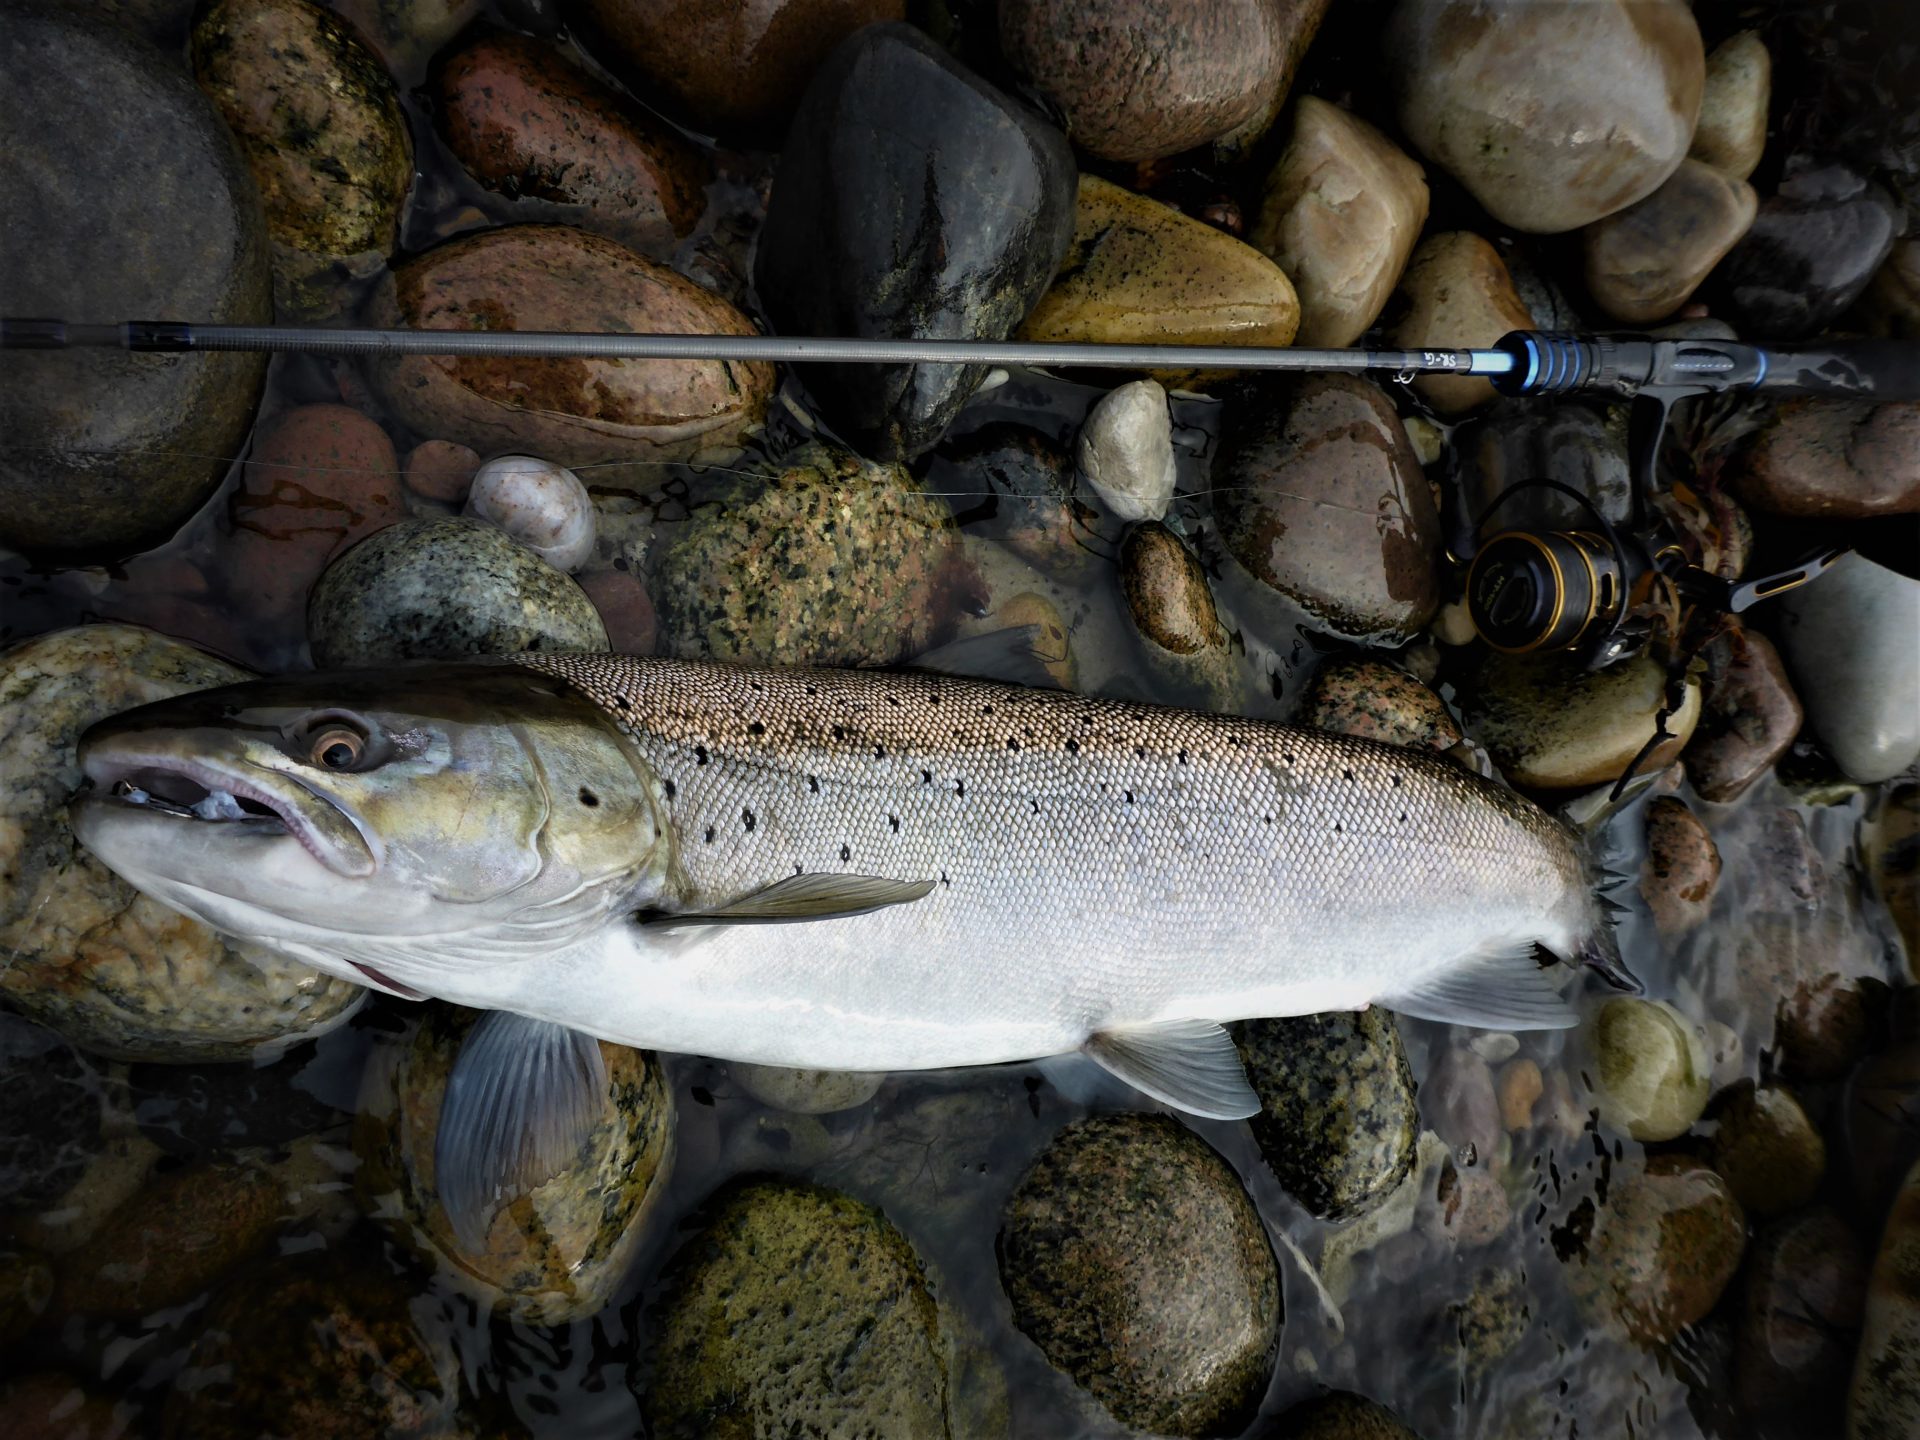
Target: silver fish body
[(1050, 869)]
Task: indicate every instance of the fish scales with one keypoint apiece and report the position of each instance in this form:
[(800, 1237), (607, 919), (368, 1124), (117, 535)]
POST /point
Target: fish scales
[(1098, 864)]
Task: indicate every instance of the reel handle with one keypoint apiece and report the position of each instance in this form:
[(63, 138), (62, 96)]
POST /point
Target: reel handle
[(1624, 366)]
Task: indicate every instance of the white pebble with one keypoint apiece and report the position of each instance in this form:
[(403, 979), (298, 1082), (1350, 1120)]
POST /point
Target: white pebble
[(1126, 451), (541, 505)]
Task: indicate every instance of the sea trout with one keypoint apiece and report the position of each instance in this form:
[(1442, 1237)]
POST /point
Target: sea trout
[(857, 870)]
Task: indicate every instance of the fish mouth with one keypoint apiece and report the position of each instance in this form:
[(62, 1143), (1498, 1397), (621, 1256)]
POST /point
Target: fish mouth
[(177, 790)]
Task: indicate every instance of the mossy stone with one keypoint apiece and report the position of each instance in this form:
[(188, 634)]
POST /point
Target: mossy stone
[(1134, 1259), (796, 1311), (1338, 1120)]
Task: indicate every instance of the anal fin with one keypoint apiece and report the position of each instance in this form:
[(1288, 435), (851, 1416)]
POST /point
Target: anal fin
[(522, 1098), (1499, 987), (1189, 1064)]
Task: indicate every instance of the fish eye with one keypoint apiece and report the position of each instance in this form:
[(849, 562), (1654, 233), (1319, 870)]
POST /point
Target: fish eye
[(337, 747)]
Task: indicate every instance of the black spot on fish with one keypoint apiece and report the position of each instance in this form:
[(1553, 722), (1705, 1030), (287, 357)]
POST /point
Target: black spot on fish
[(1183, 757), (926, 777), (986, 709), (894, 821), (1396, 781), (1013, 744), (1403, 817), (1073, 747), (755, 686), (591, 800), (1129, 795), (894, 700), (811, 690), (1336, 828), (1286, 757), (699, 754), (587, 797), (846, 853), (620, 701), (1347, 775), (960, 789), (754, 727), (709, 834), (1036, 807), (746, 818), (1268, 819), (943, 878), (933, 697), (879, 752), (839, 732), (813, 783)]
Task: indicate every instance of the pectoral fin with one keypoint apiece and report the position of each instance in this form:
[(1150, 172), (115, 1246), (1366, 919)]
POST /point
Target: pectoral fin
[(1501, 987), (522, 1098), (813, 896), (1189, 1064)]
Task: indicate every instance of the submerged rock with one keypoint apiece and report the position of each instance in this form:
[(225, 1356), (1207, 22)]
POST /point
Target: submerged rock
[(1216, 69), (109, 452), (1682, 867), (1319, 497), (325, 137), (1652, 1072), (795, 1310), (1126, 451), (525, 121), (1662, 1251), (1133, 1258), (739, 67), (1749, 717), (1833, 459), (572, 411), (1337, 1116), (1884, 1402), (1016, 485), (1551, 115), (443, 590), (89, 956), (1139, 272), (828, 560), (1340, 215), (912, 199), (806, 1092), (314, 1348), (1766, 1148), (1848, 640), (555, 1254), (1801, 1306)]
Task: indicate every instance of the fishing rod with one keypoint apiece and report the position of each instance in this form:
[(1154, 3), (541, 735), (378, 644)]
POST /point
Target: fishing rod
[(1527, 590)]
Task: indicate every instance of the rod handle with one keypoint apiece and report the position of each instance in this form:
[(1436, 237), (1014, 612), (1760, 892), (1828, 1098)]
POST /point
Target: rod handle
[(1622, 366)]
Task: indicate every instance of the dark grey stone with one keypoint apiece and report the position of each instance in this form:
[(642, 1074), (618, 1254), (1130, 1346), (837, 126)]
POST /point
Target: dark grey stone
[(912, 200), (122, 197)]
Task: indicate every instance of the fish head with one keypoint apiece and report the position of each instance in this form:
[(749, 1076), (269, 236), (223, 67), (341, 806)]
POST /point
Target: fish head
[(415, 819)]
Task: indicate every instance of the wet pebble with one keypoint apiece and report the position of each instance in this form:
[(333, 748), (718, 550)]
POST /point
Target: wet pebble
[(951, 229), (1682, 868), (1141, 273), (1645, 262), (1811, 251), (440, 470), (1662, 1250), (572, 411), (109, 452), (550, 1256), (1319, 498), (1458, 1101), (1217, 68), (1519, 1089), (1126, 451), (1133, 1258), (1883, 1402), (542, 505), (1493, 1319), (315, 1347), (1337, 1120), (1015, 485), (734, 68), (1806, 971), (1749, 715), (443, 590), (1550, 724), (1651, 1068), (1052, 640), (1800, 1306), (1732, 131), (796, 1310), (1470, 1207), (318, 479), (1848, 643), (1340, 214), (625, 608), (321, 124), (1551, 116), (1832, 459), (806, 1092), (1377, 701), (109, 969), (1455, 291), (1167, 592), (1766, 1148), (828, 560), (525, 121)]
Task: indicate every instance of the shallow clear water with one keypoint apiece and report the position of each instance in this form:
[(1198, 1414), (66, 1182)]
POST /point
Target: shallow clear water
[(940, 1154)]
